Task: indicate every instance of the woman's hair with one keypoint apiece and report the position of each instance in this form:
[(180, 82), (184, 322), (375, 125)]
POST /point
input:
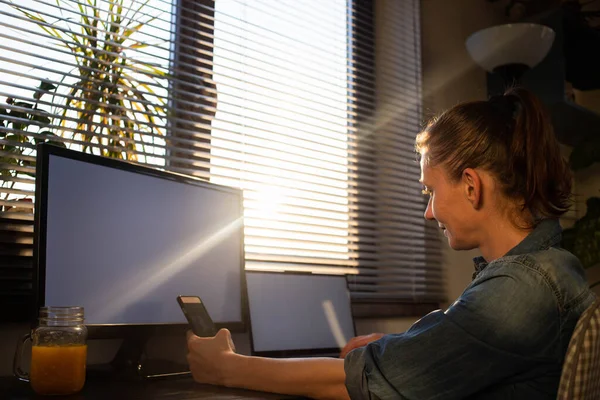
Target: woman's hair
[(509, 136)]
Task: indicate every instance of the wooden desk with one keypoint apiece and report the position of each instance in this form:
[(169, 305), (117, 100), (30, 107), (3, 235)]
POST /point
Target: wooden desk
[(165, 389)]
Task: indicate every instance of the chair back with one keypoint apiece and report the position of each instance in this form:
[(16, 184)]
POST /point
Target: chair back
[(580, 377)]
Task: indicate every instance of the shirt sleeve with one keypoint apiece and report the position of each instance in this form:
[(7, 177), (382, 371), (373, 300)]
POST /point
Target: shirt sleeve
[(502, 325)]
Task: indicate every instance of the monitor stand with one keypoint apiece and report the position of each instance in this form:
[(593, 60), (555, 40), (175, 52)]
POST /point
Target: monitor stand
[(128, 361), (131, 363)]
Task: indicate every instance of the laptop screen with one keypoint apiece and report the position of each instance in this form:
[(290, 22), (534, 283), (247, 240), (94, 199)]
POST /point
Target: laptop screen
[(298, 313)]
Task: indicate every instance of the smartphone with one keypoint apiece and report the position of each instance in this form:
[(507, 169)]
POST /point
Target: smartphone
[(197, 315)]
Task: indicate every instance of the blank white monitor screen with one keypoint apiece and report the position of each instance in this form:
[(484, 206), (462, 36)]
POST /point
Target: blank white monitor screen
[(125, 244), (294, 311)]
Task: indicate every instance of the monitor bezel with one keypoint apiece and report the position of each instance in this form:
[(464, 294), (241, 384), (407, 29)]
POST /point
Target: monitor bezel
[(295, 352), (108, 331)]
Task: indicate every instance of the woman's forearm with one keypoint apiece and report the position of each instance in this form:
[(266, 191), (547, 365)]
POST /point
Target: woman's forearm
[(319, 378)]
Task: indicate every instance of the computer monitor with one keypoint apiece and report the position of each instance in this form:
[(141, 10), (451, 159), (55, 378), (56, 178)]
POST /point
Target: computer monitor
[(298, 314), (124, 240)]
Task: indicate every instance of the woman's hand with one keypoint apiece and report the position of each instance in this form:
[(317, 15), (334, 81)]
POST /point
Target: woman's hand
[(211, 359), (360, 341)]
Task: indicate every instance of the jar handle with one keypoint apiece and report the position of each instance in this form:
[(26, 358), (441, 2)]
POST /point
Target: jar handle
[(19, 373)]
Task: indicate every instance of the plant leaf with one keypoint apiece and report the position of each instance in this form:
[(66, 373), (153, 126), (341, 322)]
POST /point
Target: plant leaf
[(3, 112), (139, 45), (46, 85), (133, 17), (41, 118), (23, 104), (129, 31)]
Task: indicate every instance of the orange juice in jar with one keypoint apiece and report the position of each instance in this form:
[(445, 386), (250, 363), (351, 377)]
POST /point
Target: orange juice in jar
[(58, 352), (58, 369)]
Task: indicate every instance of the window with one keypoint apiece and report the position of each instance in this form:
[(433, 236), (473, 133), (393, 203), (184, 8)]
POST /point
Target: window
[(88, 75), (309, 106), (398, 253)]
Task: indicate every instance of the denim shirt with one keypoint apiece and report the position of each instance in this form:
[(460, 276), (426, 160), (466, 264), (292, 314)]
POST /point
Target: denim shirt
[(504, 338)]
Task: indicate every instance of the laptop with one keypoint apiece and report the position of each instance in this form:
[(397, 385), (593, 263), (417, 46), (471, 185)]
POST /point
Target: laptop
[(296, 314)]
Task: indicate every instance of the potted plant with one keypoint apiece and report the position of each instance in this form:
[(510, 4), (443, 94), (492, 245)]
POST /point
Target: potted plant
[(112, 103), (23, 124)]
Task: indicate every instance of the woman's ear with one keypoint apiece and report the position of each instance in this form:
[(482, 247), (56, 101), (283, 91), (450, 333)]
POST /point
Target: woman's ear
[(472, 184)]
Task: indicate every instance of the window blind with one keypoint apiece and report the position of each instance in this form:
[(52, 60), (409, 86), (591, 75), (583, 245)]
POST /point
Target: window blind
[(310, 107), (399, 255)]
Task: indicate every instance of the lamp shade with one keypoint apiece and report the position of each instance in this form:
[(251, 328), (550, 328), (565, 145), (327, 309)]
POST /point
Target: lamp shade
[(510, 44)]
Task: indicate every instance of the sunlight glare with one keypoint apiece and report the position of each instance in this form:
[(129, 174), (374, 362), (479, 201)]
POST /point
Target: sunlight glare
[(334, 324), (128, 293), (269, 201)]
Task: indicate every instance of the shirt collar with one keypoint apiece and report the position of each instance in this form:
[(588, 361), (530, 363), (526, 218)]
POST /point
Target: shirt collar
[(546, 234), (480, 264)]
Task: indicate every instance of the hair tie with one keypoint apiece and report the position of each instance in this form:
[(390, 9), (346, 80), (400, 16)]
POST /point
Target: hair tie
[(507, 106)]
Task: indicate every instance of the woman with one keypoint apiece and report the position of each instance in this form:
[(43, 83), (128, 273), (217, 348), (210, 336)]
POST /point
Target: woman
[(496, 182)]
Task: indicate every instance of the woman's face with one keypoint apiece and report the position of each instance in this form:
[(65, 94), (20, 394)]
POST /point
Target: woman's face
[(449, 206)]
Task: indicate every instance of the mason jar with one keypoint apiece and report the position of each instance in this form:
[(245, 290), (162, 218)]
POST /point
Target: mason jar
[(58, 352)]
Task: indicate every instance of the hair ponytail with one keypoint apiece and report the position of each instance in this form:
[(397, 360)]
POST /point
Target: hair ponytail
[(510, 136), (541, 175)]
